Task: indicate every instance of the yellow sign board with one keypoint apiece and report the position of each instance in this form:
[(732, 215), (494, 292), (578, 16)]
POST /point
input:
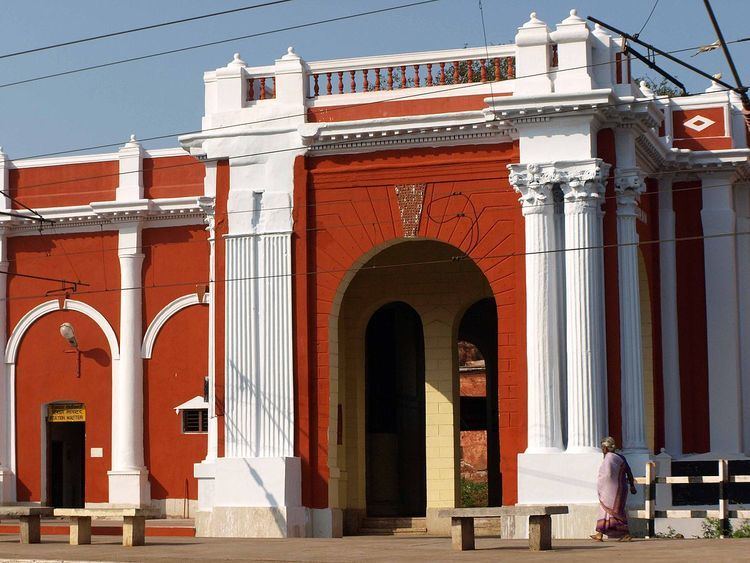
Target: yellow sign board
[(66, 412)]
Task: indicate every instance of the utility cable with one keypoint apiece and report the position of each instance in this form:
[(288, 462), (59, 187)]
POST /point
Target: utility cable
[(648, 19), (196, 162), (333, 109), (142, 28), (212, 43), (452, 259)]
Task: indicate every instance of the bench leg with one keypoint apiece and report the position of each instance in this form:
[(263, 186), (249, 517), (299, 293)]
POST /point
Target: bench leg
[(462, 533), (80, 530), (540, 533), (30, 529), (134, 531)]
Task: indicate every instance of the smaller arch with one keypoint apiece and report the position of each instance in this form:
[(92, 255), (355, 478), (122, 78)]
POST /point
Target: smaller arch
[(11, 350), (172, 308)]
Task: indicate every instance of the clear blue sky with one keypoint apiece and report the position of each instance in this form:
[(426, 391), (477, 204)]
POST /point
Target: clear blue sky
[(165, 95)]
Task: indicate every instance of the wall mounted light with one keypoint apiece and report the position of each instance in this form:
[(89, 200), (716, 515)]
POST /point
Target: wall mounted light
[(69, 334)]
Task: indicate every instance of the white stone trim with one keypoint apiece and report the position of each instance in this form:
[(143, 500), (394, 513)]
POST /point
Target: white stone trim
[(11, 350), (172, 308), (196, 402)]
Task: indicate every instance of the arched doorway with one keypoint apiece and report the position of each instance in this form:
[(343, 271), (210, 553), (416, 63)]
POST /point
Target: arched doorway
[(419, 286), (395, 412), (481, 480)]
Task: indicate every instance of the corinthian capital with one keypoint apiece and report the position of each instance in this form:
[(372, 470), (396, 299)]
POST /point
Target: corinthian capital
[(629, 184), (534, 182)]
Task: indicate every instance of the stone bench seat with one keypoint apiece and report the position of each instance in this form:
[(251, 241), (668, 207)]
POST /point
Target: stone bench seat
[(29, 520), (133, 523), (540, 523)]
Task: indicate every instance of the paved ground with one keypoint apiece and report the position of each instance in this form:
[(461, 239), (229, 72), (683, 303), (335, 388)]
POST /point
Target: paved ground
[(369, 549)]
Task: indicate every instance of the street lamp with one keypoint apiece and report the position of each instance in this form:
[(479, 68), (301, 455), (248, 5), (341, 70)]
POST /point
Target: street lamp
[(67, 332)]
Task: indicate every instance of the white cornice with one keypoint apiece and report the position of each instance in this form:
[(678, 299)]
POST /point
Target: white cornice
[(90, 158), (397, 132), (105, 212)]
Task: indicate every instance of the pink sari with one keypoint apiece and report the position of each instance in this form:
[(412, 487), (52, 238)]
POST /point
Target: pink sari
[(613, 492)]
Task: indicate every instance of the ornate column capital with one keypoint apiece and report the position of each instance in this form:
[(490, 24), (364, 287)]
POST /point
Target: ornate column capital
[(586, 181), (534, 183), (629, 184)]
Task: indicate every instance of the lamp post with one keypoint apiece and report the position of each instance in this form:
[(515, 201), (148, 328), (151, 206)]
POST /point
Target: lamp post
[(69, 334)]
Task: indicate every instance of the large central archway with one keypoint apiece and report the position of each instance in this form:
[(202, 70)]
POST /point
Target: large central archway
[(417, 287)]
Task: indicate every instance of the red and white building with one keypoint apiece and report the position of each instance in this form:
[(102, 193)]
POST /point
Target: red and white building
[(267, 337)]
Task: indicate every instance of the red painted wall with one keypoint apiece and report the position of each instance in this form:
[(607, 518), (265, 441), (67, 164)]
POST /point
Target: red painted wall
[(605, 142), (648, 234), (691, 317), (44, 373), (71, 184), (176, 261), (398, 108), (349, 203), (175, 176)]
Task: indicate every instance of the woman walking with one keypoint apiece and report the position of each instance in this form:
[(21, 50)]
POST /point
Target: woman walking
[(612, 487)]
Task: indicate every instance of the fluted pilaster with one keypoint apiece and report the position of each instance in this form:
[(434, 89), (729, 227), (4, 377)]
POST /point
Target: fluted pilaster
[(584, 285), (534, 183), (629, 184)]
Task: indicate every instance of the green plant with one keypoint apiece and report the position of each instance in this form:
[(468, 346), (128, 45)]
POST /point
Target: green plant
[(712, 528), (742, 531), (473, 494), (670, 534)]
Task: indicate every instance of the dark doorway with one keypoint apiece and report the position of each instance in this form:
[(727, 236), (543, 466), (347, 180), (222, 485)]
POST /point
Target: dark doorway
[(66, 462), (477, 335), (395, 413)]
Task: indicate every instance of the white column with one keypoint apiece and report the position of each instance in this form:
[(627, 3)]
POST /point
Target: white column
[(722, 313), (542, 297), (128, 479), (628, 185), (212, 446), (669, 327), (584, 286)]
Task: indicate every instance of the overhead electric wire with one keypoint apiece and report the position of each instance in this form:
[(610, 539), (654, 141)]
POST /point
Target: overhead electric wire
[(218, 42), (142, 28), (475, 191), (453, 259), (648, 19), (333, 109)]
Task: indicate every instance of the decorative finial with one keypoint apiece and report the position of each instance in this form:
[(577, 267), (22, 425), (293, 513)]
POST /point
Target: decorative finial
[(237, 61), (290, 50), (574, 12), (132, 138), (532, 16)]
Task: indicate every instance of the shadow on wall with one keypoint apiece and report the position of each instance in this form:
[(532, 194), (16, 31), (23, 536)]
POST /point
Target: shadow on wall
[(99, 355)]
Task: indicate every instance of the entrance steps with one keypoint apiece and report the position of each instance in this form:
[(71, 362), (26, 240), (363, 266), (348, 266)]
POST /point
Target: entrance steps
[(167, 527), (396, 526)]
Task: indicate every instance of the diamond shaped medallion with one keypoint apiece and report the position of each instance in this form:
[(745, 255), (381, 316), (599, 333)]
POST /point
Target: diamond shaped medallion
[(699, 123)]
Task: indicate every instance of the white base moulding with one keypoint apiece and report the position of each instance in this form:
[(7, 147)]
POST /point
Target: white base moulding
[(558, 478), (257, 497), (129, 488)]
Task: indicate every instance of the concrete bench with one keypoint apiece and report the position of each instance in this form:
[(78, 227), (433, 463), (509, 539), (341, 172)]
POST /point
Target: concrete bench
[(30, 520), (540, 523), (133, 525)]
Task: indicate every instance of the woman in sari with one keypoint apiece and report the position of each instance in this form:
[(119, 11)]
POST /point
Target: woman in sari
[(612, 487)]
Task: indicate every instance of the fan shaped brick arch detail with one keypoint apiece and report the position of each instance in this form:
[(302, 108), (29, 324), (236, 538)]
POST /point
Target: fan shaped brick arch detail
[(349, 204)]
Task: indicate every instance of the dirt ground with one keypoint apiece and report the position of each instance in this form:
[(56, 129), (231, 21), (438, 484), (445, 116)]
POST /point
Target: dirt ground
[(105, 548)]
